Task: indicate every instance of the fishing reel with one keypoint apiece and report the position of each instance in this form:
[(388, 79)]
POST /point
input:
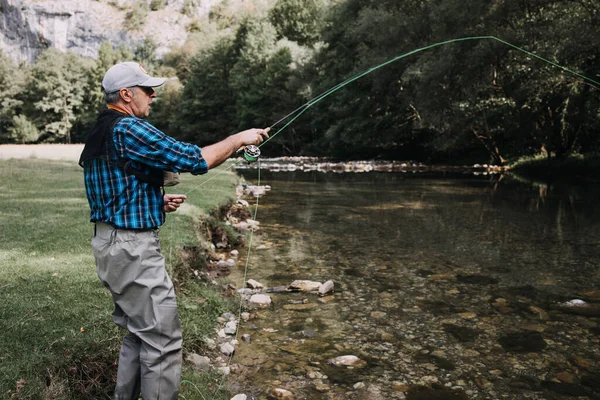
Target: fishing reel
[(250, 153)]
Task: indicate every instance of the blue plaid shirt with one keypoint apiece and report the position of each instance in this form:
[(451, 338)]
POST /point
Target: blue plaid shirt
[(123, 200)]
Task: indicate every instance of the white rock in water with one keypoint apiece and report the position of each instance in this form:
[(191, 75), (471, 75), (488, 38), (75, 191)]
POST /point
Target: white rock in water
[(227, 349), (245, 316), (230, 262), (281, 394), (234, 253), (345, 361), (239, 397), (575, 303), (326, 288), (305, 286), (251, 283), (243, 203), (260, 300)]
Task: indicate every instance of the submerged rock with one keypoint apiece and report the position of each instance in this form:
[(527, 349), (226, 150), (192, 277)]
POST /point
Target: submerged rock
[(280, 394), (346, 361), (304, 286), (326, 288), (261, 300), (252, 284), (436, 392), (523, 342), (580, 307)]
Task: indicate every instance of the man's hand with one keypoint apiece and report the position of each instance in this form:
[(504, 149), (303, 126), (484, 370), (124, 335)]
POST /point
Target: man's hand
[(253, 136), (216, 153), (173, 201)]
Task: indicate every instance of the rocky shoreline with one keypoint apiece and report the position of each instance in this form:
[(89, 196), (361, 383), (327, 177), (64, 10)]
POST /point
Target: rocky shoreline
[(308, 164)]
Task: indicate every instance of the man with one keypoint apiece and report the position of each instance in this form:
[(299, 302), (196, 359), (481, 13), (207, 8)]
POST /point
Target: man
[(124, 159)]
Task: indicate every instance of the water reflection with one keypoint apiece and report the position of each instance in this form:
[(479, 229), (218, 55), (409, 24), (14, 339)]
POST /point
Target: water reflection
[(445, 285)]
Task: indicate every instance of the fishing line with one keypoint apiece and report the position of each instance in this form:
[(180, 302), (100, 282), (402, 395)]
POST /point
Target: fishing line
[(337, 87), (239, 317)]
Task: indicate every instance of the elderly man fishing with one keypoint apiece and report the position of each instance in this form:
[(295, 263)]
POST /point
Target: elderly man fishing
[(124, 160)]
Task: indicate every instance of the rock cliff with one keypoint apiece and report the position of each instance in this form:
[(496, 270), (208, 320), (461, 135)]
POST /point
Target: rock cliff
[(27, 27)]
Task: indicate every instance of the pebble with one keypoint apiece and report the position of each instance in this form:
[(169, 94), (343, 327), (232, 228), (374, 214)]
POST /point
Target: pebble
[(280, 394), (261, 300), (326, 288), (200, 363), (348, 360), (227, 349), (251, 283), (304, 286)]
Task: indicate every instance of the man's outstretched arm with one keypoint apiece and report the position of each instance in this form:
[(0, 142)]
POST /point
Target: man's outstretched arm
[(216, 154)]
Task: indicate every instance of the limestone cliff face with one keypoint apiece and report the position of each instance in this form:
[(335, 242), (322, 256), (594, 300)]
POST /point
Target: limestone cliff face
[(27, 27)]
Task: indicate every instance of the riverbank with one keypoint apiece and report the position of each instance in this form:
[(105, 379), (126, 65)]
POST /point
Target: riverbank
[(58, 337), (574, 169)]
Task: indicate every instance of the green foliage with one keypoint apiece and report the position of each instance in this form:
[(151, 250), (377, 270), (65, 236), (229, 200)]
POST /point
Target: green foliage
[(474, 100), (240, 83), (23, 130), (297, 20), (145, 52), (156, 5), (56, 91), (137, 16), (476, 97), (12, 82)]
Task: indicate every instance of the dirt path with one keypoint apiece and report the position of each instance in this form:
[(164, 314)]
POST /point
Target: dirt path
[(45, 151)]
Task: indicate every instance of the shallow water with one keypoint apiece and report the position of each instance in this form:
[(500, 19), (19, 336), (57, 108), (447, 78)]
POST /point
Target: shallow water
[(447, 286)]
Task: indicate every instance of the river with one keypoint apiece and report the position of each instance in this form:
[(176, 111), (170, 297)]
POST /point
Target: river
[(446, 287)]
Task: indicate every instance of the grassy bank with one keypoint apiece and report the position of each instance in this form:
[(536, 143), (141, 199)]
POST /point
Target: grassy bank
[(574, 169), (58, 340)]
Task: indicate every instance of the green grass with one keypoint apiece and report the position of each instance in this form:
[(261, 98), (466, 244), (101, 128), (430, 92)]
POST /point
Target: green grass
[(58, 340), (575, 168)]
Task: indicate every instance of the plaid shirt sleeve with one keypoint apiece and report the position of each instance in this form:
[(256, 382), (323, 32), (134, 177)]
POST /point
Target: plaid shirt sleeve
[(140, 141)]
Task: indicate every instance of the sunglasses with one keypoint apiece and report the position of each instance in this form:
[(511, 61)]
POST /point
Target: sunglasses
[(148, 90)]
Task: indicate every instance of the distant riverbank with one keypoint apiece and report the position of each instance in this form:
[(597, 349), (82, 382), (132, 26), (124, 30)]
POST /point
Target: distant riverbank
[(573, 169)]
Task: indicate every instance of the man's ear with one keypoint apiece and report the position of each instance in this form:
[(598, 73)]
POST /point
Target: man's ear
[(126, 95)]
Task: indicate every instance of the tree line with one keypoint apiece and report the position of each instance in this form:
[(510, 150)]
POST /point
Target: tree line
[(477, 100)]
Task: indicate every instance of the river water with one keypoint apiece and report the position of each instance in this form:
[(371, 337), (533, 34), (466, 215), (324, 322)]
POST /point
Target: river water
[(446, 287)]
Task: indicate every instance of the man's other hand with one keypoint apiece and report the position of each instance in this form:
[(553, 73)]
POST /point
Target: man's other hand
[(173, 201)]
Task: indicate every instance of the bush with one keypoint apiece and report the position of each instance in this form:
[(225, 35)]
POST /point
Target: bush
[(137, 16), (156, 5)]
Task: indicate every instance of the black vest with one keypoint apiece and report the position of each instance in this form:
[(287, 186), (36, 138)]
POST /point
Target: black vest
[(99, 145)]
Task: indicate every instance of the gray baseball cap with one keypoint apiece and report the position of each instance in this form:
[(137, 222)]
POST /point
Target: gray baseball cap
[(128, 74)]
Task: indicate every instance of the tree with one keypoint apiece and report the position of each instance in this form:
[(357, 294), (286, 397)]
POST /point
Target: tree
[(57, 88), (12, 82), (23, 130), (297, 20)]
